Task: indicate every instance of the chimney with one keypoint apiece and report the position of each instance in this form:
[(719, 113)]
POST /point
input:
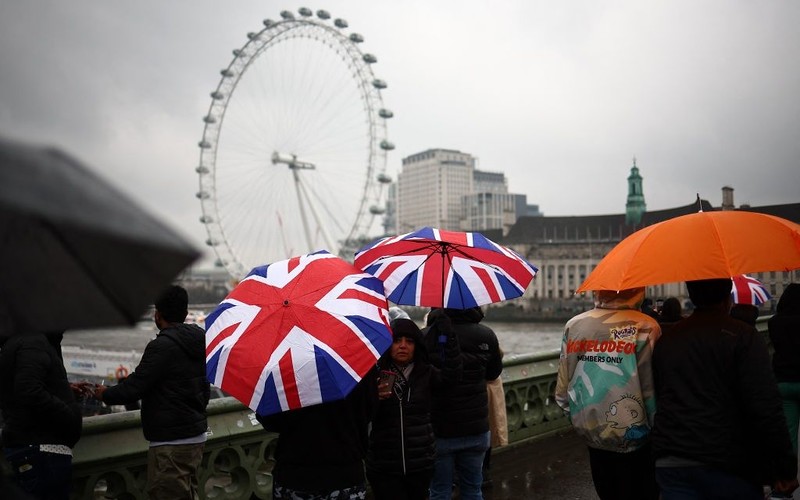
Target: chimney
[(727, 198)]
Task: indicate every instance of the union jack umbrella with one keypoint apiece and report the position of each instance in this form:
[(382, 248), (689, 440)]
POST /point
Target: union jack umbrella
[(747, 290), (297, 333), (436, 268)]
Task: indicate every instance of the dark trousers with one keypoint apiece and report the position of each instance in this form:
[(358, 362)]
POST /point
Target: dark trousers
[(412, 486), (704, 483), (624, 476), (46, 476)]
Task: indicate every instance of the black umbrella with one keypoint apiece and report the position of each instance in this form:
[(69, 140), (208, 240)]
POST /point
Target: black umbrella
[(74, 251)]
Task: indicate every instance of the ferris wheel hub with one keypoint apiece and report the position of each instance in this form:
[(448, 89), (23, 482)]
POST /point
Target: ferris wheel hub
[(291, 161)]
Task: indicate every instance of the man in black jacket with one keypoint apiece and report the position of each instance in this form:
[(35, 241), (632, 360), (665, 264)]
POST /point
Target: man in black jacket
[(719, 428), (42, 420), (461, 411), (171, 383)]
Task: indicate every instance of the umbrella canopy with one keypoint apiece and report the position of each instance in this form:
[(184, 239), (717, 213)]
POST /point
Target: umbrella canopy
[(698, 246), (75, 252), (436, 268), (297, 333), (747, 290)]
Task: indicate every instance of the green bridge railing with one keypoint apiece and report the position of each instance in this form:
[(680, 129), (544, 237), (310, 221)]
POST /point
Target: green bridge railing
[(110, 460)]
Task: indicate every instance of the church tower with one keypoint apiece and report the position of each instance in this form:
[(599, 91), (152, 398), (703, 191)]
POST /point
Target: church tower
[(635, 206)]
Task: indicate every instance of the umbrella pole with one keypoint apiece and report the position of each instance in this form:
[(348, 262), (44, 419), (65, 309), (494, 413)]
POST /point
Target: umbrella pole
[(440, 337)]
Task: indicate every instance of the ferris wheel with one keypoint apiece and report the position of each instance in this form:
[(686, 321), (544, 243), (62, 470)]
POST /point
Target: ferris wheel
[(293, 154)]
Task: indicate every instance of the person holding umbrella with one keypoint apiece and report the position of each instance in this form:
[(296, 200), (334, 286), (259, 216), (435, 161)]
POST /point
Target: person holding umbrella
[(42, 421), (461, 411), (402, 444), (719, 431), (321, 448)]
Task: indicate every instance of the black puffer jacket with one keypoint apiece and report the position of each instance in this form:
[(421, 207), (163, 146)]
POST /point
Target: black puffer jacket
[(402, 439), (171, 382), (463, 409), (37, 403), (784, 332)]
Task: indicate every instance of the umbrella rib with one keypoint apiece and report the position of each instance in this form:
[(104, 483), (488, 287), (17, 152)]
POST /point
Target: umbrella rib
[(722, 248), (91, 274)]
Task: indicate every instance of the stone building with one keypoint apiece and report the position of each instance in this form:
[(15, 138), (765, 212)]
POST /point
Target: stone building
[(567, 248)]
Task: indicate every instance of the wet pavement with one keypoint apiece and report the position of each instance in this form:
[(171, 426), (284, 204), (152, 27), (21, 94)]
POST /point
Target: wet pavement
[(554, 467)]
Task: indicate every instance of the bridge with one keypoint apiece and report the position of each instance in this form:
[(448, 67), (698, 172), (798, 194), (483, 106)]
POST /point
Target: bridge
[(544, 459)]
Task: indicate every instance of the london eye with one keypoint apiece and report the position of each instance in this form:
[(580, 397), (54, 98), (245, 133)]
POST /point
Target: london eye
[(293, 152)]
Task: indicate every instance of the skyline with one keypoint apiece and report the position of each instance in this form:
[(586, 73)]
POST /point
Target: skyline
[(559, 98)]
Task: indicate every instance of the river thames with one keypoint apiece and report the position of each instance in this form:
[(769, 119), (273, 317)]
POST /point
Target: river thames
[(515, 338)]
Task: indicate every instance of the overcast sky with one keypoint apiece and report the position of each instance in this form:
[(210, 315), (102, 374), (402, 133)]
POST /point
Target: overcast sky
[(560, 96)]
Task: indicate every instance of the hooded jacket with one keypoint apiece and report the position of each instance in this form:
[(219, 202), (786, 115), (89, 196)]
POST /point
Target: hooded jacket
[(402, 439), (462, 409), (37, 403), (605, 380), (171, 382)]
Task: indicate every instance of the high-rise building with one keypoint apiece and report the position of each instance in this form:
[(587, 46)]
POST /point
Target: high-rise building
[(431, 187), (442, 188)]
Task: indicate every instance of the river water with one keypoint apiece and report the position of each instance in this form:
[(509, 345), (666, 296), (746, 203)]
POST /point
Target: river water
[(515, 338)]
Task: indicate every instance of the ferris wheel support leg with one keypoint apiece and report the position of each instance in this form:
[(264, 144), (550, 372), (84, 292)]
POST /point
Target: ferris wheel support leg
[(303, 218), (320, 226)]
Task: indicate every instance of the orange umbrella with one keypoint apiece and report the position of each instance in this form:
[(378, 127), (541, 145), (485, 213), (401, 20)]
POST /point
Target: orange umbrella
[(699, 246)]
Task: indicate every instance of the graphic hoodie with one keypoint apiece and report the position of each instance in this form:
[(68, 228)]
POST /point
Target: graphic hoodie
[(605, 382)]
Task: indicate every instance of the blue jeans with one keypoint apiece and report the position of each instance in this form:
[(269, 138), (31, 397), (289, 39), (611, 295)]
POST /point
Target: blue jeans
[(463, 455), (46, 476), (704, 483)]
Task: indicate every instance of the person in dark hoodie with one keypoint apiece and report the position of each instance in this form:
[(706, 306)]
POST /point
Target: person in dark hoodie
[(171, 383), (402, 444), (461, 412), (41, 419), (784, 333)]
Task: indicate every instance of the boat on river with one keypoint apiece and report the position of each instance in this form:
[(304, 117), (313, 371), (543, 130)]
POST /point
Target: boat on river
[(96, 365)]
